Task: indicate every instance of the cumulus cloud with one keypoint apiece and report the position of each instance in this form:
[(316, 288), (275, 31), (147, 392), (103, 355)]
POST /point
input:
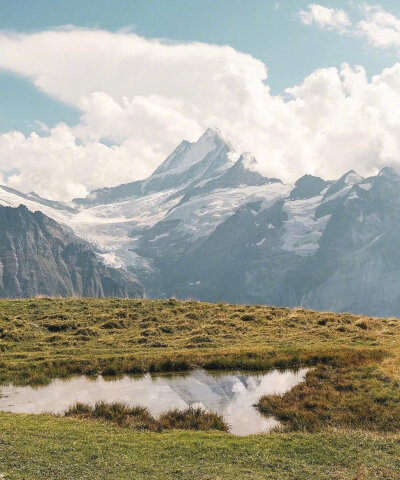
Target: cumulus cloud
[(379, 27), (326, 18), (145, 95), (139, 98)]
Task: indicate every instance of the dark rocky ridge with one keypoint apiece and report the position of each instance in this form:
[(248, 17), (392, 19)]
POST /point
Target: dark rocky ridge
[(38, 256)]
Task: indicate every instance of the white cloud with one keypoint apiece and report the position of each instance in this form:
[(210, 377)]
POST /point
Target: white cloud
[(379, 27), (326, 18), (139, 98), (56, 166), (145, 95)]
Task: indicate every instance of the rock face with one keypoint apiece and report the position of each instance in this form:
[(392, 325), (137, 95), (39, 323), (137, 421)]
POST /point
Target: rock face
[(207, 225), (40, 257)]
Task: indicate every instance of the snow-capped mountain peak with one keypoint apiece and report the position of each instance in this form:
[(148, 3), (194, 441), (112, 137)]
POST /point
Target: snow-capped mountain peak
[(235, 235), (187, 154)]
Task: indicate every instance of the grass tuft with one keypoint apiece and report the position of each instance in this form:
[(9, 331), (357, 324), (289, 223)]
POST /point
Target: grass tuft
[(192, 419), (139, 418)]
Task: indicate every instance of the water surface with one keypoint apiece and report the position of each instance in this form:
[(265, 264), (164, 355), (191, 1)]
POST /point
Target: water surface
[(231, 394)]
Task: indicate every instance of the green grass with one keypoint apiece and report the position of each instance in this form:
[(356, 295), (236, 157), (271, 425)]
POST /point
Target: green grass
[(341, 423), (36, 447)]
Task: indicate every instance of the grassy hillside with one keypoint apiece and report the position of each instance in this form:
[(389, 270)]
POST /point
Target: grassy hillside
[(43, 338), (343, 422)]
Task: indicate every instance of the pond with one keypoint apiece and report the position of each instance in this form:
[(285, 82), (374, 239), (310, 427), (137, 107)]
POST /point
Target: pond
[(231, 394)]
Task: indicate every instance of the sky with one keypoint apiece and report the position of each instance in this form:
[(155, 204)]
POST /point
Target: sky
[(96, 94)]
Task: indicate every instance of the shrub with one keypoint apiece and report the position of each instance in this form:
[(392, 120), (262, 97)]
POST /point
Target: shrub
[(361, 324), (56, 327), (113, 324)]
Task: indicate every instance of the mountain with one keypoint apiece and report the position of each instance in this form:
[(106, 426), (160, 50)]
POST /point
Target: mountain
[(189, 164), (207, 225), (40, 257)]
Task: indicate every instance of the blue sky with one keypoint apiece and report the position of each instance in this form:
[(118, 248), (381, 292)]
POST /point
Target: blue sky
[(98, 93), (269, 30)]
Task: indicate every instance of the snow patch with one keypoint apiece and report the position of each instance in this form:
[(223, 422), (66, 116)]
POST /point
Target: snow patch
[(302, 231), (157, 237), (111, 259)]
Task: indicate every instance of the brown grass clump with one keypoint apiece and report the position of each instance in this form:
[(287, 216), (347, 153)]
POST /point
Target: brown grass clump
[(139, 418), (356, 397), (192, 419), (120, 413)]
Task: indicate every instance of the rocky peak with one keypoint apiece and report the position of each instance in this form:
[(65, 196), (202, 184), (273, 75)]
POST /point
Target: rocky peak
[(308, 186)]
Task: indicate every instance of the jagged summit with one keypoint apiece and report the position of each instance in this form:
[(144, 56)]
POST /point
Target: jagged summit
[(308, 186), (242, 172), (189, 163), (208, 225), (344, 183), (350, 178), (187, 154), (211, 132), (389, 172)]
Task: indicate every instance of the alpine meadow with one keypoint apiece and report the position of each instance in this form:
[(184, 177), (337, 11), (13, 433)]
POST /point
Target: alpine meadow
[(199, 240)]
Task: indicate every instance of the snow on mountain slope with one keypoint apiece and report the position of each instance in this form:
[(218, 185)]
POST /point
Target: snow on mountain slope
[(202, 214), (116, 225), (12, 198), (302, 229), (207, 225), (113, 228), (193, 191)]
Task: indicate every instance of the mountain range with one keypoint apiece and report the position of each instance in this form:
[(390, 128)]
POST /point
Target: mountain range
[(207, 225)]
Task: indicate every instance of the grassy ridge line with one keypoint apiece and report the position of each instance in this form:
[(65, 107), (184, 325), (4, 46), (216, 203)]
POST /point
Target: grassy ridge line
[(36, 447), (44, 338)]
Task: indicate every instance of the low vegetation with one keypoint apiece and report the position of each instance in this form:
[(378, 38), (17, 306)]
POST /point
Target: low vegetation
[(36, 447), (343, 422), (45, 338), (358, 397), (139, 418)]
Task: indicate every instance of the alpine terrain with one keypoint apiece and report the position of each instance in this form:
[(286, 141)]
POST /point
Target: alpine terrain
[(207, 225)]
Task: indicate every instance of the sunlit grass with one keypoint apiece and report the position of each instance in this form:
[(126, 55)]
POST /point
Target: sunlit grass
[(45, 338), (36, 447)]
